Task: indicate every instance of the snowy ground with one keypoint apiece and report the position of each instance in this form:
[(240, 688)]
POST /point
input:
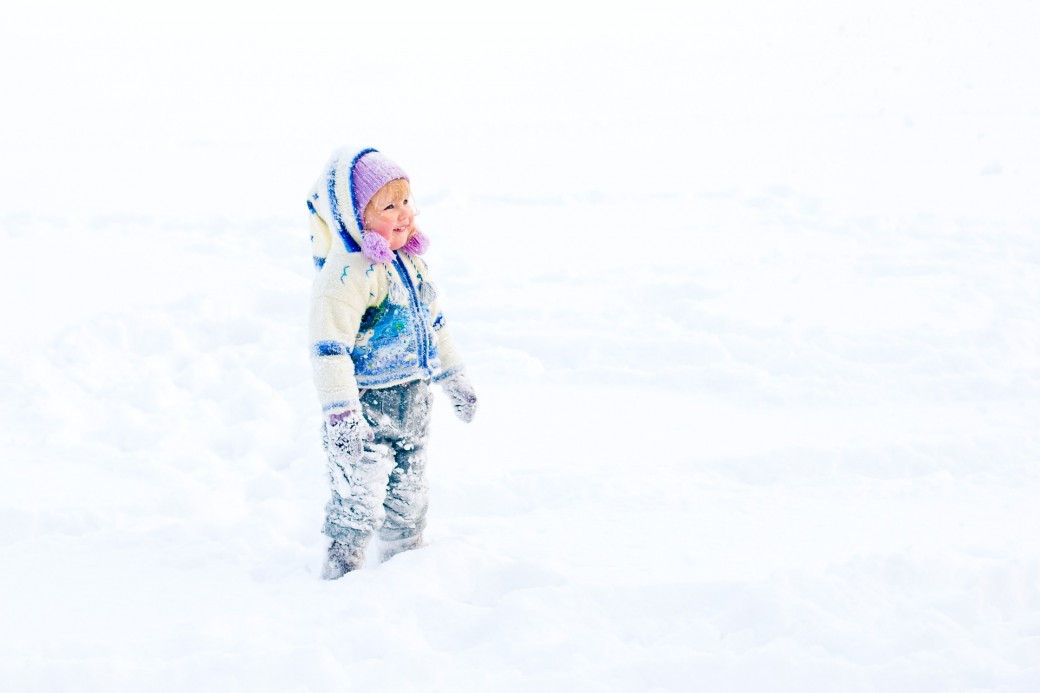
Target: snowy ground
[(751, 299)]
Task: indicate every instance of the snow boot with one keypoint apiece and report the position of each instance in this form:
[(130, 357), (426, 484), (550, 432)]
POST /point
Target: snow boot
[(340, 560)]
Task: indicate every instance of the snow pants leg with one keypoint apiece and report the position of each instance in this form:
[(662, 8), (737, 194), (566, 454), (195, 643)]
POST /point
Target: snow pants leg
[(386, 491)]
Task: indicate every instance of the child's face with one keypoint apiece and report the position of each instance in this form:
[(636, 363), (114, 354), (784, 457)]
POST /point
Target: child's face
[(390, 213)]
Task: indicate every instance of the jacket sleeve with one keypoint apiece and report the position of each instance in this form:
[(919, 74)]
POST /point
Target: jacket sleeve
[(451, 362), (339, 299)]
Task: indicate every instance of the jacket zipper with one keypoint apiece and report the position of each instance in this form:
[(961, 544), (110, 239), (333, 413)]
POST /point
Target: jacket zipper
[(413, 298)]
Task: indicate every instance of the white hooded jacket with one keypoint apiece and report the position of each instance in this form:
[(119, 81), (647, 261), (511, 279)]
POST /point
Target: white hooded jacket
[(372, 324)]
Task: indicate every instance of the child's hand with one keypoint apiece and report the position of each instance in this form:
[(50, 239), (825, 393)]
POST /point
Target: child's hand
[(347, 432), (463, 398), (344, 439)]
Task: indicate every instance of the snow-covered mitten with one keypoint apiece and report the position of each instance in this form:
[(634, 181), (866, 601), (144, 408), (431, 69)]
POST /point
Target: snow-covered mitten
[(345, 436), (463, 398), (348, 432)]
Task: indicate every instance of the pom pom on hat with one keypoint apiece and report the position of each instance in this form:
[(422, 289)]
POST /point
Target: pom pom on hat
[(371, 172), (375, 247)]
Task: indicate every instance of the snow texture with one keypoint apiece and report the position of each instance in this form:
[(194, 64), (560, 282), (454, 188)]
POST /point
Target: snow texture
[(750, 294)]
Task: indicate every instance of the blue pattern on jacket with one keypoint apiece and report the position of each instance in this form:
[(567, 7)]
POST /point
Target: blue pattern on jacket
[(395, 340)]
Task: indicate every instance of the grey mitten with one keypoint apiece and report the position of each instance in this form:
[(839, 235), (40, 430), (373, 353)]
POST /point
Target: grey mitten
[(462, 396), (345, 436)]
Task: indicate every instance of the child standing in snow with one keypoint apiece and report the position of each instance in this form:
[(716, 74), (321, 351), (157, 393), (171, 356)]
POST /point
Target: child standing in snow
[(378, 340)]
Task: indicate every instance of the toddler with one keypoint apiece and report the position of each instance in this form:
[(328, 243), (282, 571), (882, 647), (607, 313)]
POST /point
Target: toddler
[(378, 340)]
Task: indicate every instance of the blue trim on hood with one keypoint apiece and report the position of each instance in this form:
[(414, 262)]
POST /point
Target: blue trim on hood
[(353, 200), (348, 240)]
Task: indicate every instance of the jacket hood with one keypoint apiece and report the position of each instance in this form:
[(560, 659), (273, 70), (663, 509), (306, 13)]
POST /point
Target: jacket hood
[(332, 199)]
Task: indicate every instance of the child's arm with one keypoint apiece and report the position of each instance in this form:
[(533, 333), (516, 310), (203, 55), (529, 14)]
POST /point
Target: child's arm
[(340, 298), (451, 362), (452, 376)]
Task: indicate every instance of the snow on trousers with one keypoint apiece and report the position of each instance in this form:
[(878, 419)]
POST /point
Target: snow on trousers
[(386, 490)]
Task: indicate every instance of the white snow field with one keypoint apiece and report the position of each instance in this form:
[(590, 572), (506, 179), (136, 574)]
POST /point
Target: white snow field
[(750, 294)]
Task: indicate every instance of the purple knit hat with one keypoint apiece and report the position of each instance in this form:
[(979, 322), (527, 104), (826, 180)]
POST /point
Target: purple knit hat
[(371, 172)]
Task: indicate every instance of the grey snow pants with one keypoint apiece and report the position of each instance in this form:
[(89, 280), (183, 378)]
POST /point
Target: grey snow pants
[(386, 491)]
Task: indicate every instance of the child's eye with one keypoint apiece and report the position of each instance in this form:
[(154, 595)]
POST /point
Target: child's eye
[(406, 200), (388, 207)]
